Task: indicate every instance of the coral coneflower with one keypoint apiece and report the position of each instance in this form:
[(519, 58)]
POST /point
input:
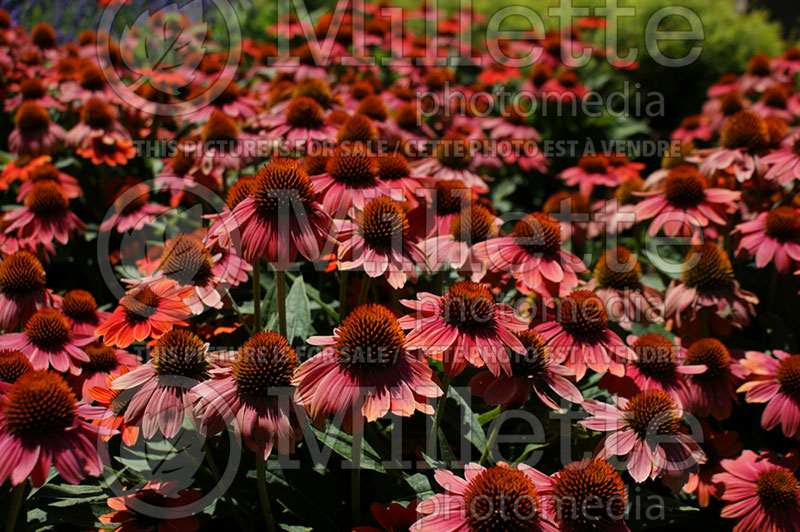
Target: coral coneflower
[(772, 235), (247, 390), (379, 243), (591, 171), (395, 171), (22, 289), (743, 137), (80, 309), (107, 150), (98, 120), (532, 369), (364, 363), (717, 446), (132, 210), (774, 380), (617, 280), (708, 281), (533, 255), (163, 386), (452, 159), (714, 390), (130, 510), (464, 325), (350, 180), (280, 217), (762, 492), (115, 402), (302, 122), (45, 215), (49, 172), (646, 429), (589, 496), (145, 311), (103, 361), (685, 205), (580, 337), (502, 497), (34, 133), (660, 364), (43, 424), (48, 341)]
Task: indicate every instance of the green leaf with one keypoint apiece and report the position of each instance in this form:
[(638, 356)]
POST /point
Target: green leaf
[(342, 444), (298, 312), (420, 484)]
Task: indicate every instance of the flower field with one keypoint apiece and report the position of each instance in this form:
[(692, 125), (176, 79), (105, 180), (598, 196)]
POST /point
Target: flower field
[(388, 268)]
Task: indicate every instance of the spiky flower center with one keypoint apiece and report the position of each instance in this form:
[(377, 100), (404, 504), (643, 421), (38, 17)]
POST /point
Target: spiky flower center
[(265, 361), (374, 107), (777, 489), (502, 498), (473, 224), (783, 224), (707, 267), (469, 306), (31, 118), (282, 186), (534, 361), (618, 269), (44, 36), (713, 354), (140, 305), (97, 114), (452, 196), (625, 192), (220, 129), (44, 172), (775, 97), (758, 65), (80, 306), (789, 376), (684, 187), (48, 330), (32, 89), (652, 412), (407, 116), (731, 103), (538, 233), (369, 338), (180, 353), (656, 356), (453, 151), (188, 261), (582, 314), (239, 191), (393, 166), (21, 274), (13, 365), (317, 89), (92, 78), (39, 404), (102, 358), (305, 112), (383, 224), (354, 167), (691, 122), (589, 497), (745, 130), (358, 128), (593, 164), (47, 198)]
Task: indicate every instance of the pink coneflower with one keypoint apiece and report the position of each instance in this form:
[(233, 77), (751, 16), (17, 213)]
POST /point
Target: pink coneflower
[(164, 495), (660, 364), (777, 102), (48, 341), (13, 365), (464, 325), (392, 518), (580, 337), (762, 492), (708, 282), (49, 172), (379, 243), (80, 309), (394, 170), (280, 215), (132, 210), (447, 200), (91, 83), (714, 390), (43, 424), (34, 133), (617, 281), (246, 389), (617, 214), (103, 361), (514, 123), (773, 235), (759, 75), (33, 90), (502, 497), (789, 62), (717, 446), (784, 162), (350, 180), (533, 255), (98, 120), (163, 385), (302, 122), (589, 496), (646, 429), (22, 289), (693, 127), (742, 138), (591, 171), (232, 101), (775, 380), (532, 369), (115, 402), (472, 225), (452, 160), (683, 206), (366, 354), (144, 312), (566, 87), (44, 216)]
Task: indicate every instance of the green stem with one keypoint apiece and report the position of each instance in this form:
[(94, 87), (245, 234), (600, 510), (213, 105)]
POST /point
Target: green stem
[(257, 295), (342, 294), (437, 417), (492, 438), (16, 503), (266, 508), (773, 289), (212, 465), (439, 283), (280, 280), (355, 475), (364, 290), (239, 313)]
